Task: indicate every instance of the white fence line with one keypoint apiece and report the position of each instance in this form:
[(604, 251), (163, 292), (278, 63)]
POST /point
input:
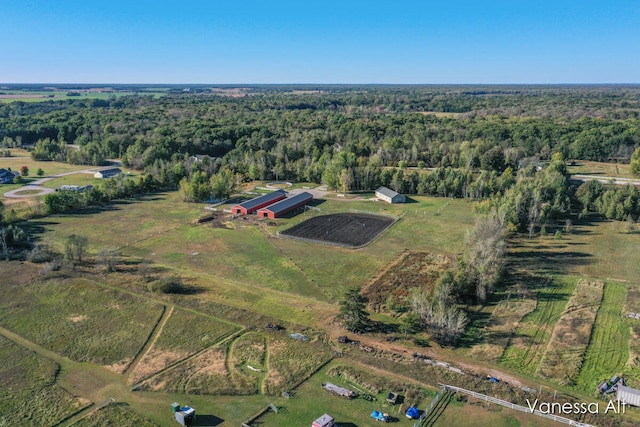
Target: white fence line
[(504, 403)]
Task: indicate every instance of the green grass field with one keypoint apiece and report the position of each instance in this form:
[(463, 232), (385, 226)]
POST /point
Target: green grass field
[(56, 95), (246, 275), (29, 394), (585, 167), (608, 350), (79, 320)]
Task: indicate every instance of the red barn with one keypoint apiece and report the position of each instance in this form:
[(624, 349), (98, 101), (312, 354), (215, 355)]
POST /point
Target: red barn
[(250, 206), (278, 209)]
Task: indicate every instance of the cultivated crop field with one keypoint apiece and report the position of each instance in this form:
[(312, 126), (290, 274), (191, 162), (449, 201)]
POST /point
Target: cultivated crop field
[(350, 230)]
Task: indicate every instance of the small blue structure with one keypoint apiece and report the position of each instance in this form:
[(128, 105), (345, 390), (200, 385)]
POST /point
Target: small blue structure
[(379, 416), (413, 413), (494, 380)]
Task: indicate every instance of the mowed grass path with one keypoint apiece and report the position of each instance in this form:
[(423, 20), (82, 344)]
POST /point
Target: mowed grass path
[(608, 349), (529, 344)]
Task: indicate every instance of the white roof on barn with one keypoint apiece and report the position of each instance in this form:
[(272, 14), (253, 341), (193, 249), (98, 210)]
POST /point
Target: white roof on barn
[(387, 192)]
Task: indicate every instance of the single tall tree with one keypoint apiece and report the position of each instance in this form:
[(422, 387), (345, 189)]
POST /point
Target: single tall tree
[(353, 311)]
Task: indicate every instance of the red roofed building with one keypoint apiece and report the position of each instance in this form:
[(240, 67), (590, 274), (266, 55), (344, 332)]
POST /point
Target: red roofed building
[(250, 206), (287, 205)]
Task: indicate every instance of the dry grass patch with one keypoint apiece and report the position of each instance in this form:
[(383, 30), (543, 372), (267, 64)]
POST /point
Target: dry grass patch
[(565, 351), (207, 373), (184, 334), (411, 270), (290, 362)]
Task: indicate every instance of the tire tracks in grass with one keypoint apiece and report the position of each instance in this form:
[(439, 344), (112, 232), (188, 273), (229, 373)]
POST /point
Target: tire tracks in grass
[(543, 319)]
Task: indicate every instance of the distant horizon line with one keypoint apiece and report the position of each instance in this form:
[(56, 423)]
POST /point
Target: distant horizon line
[(314, 84)]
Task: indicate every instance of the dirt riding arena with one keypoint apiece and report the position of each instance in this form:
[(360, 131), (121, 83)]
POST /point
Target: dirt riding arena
[(346, 229)]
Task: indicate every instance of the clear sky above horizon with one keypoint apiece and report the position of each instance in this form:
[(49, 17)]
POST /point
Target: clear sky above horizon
[(261, 41)]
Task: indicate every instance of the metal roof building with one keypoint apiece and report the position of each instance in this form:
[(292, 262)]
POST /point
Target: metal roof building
[(256, 203), (107, 173), (324, 421), (389, 196), (278, 209), (629, 395)]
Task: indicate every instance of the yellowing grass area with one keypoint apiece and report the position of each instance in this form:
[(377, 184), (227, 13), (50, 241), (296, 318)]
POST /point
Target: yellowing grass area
[(240, 275)]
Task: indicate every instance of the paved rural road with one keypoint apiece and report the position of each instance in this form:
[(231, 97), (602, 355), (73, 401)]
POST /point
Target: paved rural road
[(36, 185), (605, 179)]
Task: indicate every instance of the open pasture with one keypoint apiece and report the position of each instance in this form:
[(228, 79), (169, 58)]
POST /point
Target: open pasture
[(79, 320), (594, 248), (587, 167), (349, 230), (29, 394)]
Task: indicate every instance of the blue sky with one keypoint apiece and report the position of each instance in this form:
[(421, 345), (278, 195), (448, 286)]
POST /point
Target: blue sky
[(312, 41)]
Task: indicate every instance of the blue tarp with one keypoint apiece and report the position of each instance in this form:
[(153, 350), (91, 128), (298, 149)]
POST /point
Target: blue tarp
[(413, 413)]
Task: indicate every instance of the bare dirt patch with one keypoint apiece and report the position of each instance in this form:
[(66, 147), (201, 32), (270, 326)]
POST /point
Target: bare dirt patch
[(78, 318), (345, 229)]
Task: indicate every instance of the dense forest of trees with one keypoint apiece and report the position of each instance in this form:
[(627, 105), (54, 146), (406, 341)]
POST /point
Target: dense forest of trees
[(485, 141)]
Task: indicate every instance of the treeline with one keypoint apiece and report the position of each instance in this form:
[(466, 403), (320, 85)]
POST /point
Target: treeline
[(298, 136)]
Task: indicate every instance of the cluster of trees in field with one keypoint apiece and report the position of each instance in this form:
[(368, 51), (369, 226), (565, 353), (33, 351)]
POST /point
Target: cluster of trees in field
[(474, 278), (118, 187)]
